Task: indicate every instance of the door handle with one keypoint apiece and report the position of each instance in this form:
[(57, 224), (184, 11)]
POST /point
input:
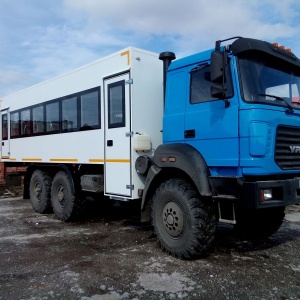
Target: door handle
[(109, 143), (190, 133)]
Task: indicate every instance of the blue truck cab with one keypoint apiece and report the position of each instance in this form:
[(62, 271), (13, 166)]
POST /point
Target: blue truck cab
[(231, 145)]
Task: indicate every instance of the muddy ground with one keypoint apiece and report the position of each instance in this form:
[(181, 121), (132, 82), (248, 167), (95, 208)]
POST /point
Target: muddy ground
[(108, 255)]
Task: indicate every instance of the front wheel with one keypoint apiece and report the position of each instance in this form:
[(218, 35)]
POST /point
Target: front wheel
[(184, 223)]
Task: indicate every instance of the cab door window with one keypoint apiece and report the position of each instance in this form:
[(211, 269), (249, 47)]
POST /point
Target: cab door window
[(200, 84)]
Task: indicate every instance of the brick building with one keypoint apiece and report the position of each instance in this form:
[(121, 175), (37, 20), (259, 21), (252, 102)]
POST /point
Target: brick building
[(5, 172)]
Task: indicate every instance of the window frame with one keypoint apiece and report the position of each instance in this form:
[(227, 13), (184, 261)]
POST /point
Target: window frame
[(44, 105), (4, 128), (201, 67), (66, 98), (194, 72), (53, 122), (123, 112), (29, 122), (81, 126), (18, 127), (43, 119)]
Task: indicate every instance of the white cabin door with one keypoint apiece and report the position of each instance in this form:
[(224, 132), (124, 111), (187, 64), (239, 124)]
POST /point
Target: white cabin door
[(5, 134), (117, 161)]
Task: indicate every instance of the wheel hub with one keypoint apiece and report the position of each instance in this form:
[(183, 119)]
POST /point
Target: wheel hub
[(61, 194), (173, 219), (37, 190), (170, 220)]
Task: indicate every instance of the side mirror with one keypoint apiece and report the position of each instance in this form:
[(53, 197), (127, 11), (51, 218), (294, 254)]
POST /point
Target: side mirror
[(218, 91), (217, 66), (217, 76)]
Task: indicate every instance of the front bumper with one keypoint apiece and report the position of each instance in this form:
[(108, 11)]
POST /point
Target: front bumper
[(284, 192)]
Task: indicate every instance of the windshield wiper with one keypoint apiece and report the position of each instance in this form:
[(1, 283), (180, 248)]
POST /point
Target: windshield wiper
[(291, 109)]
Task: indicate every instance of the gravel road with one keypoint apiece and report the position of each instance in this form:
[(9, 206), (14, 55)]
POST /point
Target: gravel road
[(108, 255)]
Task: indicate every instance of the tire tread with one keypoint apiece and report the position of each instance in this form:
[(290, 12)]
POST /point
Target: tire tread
[(201, 236), (44, 206)]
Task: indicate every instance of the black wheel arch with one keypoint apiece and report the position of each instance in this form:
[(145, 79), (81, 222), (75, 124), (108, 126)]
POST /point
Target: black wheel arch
[(177, 160)]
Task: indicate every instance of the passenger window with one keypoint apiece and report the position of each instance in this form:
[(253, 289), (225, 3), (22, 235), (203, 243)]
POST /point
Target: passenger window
[(90, 110), (26, 124), (69, 114), (38, 119), (14, 124), (79, 111), (116, 104), (4, 127), (52, 117)]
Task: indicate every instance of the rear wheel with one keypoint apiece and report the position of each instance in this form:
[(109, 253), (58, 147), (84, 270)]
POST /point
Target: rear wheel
[(183, 221), (39, 189), (259, 224), (64, 202)]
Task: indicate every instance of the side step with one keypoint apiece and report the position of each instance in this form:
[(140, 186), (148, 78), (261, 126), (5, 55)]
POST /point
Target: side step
[(226, 208)]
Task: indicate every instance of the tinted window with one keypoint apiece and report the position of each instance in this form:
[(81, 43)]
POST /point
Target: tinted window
[(90, 110), (201, 85), (80, 111), (14, 124), (200, 89), (52, 117), (265, 80), (4, 127), (38, 119), (26, 124), (69, 114), (116, 104)]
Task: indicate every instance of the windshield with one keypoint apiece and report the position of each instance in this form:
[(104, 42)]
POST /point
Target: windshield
[(267, 80)]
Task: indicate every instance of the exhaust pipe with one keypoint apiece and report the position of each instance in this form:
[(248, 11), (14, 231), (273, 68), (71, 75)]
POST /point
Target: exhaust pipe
[(167, 58)]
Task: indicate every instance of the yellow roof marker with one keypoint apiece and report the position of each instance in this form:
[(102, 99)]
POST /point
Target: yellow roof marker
[(128, 56)]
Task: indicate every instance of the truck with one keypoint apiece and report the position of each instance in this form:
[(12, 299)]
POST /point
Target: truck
[(211, 137)]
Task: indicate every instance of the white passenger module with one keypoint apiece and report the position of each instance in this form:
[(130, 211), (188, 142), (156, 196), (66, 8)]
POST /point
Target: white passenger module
[(106, 113)]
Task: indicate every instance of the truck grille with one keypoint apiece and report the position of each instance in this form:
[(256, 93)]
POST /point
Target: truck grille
[(287, 148)]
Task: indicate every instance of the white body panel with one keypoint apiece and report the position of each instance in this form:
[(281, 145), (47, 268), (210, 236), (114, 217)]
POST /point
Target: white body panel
[(144, 109)]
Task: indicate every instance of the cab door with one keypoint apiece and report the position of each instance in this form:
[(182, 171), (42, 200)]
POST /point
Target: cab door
[(5, 136), (117, 162), (210, 126)]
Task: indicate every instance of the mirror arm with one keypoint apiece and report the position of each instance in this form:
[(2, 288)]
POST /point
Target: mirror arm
[(227, 102)]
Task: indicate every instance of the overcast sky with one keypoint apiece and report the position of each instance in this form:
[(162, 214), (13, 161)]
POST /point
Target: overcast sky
[(41, 39)]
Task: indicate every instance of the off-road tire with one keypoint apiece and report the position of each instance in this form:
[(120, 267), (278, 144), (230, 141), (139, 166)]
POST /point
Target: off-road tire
[(65, 204), (184, 222), (40, 192), (259, 224)]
